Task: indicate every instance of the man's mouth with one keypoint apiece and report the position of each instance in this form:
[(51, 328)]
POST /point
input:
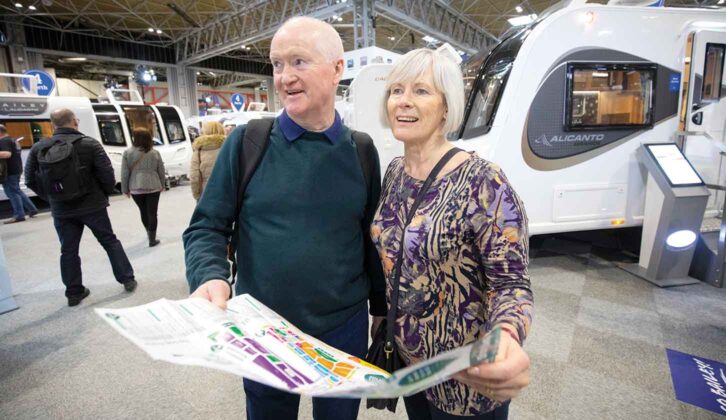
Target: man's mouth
[(293, 92)]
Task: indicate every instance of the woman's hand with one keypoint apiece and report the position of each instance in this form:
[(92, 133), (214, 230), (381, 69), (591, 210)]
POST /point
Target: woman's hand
[(505, 378)]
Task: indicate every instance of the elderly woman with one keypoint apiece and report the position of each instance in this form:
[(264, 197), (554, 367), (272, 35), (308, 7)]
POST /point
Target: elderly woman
[(464, 266), (142, 178), (205, 150)]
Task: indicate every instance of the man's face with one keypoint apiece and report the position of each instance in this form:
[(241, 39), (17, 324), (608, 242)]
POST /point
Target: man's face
[(304, 78)]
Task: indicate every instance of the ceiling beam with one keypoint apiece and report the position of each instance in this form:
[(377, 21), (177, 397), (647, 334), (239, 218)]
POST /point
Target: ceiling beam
[(248, 25), (439, 20)]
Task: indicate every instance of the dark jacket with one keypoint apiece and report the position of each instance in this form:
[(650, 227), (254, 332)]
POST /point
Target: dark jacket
[(99, 173)]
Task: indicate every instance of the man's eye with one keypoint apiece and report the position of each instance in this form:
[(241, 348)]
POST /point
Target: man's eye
[(299, 61)]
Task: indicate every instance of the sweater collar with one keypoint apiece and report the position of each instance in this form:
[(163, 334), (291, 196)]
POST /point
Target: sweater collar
[(292, 131)]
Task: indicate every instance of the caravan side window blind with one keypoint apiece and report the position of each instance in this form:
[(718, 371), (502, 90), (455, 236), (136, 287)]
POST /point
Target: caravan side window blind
[(712, 73), (609, 96)]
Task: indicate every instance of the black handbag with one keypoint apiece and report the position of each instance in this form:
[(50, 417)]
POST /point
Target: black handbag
[(383, 351)]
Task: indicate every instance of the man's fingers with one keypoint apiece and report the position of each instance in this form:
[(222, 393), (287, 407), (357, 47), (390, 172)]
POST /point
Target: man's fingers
[(215, 291)]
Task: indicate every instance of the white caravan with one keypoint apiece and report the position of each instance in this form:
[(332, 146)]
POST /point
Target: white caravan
[(562, 105), (125, 111), (27, 116)]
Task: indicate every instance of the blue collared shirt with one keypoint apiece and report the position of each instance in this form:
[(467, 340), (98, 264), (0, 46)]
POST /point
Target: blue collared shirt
[(292, 131)]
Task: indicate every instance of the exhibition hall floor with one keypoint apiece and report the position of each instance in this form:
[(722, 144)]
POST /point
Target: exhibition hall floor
[(597, 342)]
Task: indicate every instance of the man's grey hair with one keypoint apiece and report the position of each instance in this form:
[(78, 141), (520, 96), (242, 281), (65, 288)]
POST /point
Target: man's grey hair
[(448, 81), (62, 117), (327, 39)]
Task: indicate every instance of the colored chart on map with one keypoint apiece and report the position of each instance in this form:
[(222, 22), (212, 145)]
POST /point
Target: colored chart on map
[(251, 340)]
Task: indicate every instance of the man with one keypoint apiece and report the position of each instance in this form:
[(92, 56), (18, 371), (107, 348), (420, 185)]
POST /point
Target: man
[(88, 209), (18, 200), (303, 247)]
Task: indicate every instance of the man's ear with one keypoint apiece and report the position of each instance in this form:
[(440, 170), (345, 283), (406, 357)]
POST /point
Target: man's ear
[(339, 68)]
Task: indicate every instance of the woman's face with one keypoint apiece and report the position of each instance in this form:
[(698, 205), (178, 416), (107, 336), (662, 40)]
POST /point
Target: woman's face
[(416, 110)]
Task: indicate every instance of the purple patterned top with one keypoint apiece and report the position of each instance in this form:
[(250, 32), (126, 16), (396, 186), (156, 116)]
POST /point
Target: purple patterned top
[(464, 267)]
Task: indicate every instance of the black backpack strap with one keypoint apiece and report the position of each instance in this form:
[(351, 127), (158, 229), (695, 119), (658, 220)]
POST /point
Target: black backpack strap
[(254, 145), (364, 144)]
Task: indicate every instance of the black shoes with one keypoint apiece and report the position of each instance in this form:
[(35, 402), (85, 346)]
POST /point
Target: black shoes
[(152, 238), (130, 286), (7, 222), (33, 214), (75, 300)]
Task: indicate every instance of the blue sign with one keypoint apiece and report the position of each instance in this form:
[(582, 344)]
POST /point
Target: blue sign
[(45, 82), (674, 82), (238, 101), (698, 381)]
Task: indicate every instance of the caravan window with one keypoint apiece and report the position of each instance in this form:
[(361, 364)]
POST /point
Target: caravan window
[(143, 116), (712, 72), (27, 133), (172, 124), (489, 92), (112, 134), (609, 96)]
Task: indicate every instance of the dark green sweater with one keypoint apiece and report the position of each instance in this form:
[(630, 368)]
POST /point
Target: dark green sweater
[(304, 246)]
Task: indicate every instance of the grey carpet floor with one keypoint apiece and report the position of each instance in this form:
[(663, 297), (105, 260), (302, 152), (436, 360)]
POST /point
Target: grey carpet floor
[(597, 343)]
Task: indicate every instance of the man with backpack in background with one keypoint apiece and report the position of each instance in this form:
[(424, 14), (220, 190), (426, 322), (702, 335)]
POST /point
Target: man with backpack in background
[(11, 183), (73, 173), (310, 187)]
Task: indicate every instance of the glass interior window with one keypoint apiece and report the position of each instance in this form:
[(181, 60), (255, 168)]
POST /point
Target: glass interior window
[(487, 98), (27, 133), (111, 131), (713, 72), (175, 131), (606, 97), (143, 116)]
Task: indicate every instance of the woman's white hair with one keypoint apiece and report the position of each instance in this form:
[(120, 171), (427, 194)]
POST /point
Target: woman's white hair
[(448, 81)]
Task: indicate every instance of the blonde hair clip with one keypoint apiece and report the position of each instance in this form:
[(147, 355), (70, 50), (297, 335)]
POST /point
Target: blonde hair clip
[(448, 51)]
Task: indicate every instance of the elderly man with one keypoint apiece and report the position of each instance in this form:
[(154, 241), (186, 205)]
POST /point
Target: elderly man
[(18, 200), (304, 248), (78, 197)]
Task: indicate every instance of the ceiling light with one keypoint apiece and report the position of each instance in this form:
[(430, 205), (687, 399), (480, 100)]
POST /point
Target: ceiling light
[(248, 48), (522, 20), (600, 74), (198, 73), (158, 31), (18, 5), (151, 29), (211, 73), (340, 19), (430, 39), (518, 9), (721, 1), (71, 59), (31, 7), (392, 38)]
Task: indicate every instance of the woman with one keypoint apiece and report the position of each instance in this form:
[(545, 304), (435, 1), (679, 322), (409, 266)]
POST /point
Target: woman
[(205, 150), (142, 178), (464, 268)]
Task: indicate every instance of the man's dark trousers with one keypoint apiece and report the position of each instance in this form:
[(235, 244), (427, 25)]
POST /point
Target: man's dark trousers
[(70, 230), (266, 403)]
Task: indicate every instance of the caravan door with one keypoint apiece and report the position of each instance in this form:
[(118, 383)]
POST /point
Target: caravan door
[(702, 112)]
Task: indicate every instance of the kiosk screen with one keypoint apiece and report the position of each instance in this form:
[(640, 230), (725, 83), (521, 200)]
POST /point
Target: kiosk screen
[(674, 165)]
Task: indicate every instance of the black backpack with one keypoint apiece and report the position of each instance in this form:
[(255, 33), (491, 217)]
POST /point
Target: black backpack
[(254, 145), (60, 173)]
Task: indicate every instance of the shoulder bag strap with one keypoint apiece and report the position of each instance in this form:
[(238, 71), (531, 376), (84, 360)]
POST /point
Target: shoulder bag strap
[(393, 310)]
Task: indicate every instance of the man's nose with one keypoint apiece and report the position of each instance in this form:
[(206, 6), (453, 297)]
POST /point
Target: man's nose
[(288, 75)]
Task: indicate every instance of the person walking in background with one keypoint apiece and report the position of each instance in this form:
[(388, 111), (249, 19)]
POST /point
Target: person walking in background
[(73, 173), (142, 178), (11, 185), (205, 150)]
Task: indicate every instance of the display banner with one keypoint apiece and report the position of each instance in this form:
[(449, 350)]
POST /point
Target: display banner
[(698, 381)]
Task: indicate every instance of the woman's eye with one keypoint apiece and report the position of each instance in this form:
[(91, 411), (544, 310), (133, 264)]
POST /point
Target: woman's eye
[(420, 91), (396, 91)]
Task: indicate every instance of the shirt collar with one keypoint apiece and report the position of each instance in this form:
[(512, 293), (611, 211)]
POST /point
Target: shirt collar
[(292, 131)]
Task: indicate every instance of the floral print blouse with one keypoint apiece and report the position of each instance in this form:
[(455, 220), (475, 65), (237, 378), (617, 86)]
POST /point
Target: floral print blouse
[(464, 266)]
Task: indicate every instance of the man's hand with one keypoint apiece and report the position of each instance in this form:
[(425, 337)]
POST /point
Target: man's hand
[(505, 378), (215, 291), (377, 320)]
